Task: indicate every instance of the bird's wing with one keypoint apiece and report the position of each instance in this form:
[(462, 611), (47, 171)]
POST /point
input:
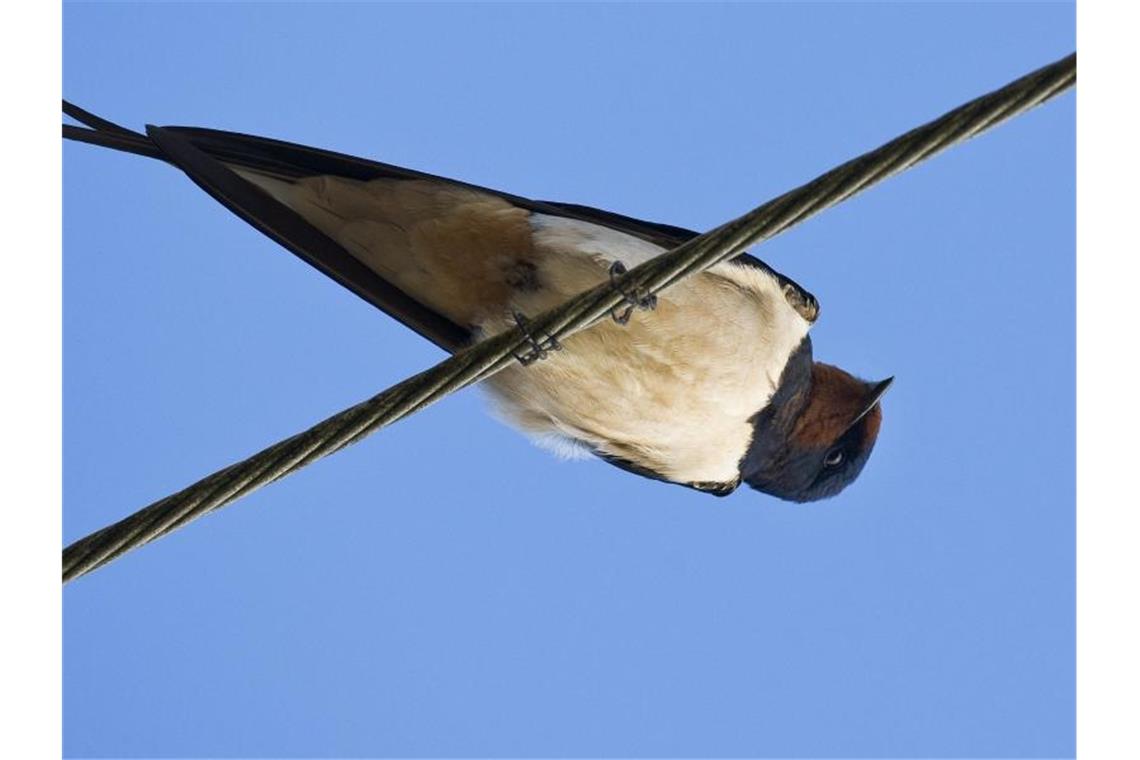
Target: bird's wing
[(207, 156), (716, 489)]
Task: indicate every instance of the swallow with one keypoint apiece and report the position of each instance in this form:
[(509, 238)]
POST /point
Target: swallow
[(713, 386)]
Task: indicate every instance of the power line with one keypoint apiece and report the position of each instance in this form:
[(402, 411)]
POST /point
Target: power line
[(489, 356)]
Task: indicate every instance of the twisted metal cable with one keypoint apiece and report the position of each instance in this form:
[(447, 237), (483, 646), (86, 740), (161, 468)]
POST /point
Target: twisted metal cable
[(489, 356)]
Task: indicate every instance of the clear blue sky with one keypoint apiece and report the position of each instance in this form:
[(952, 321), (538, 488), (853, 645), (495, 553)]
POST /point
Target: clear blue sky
[(445, 588)]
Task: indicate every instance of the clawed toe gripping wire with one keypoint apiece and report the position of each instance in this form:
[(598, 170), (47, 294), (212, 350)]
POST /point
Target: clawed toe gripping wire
[(638, 298), (540, 348)]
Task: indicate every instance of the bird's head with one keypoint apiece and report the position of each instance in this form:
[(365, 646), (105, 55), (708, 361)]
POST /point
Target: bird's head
[(815, 443)]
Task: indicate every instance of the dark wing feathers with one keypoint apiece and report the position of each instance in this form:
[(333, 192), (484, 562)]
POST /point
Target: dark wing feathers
[(716, 489), (292, 160), (292, 231)]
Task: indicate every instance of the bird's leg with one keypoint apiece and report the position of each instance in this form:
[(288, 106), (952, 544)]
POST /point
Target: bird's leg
[(635, 299)]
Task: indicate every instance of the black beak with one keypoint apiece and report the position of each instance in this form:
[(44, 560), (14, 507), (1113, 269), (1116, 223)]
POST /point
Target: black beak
[(874, 394)]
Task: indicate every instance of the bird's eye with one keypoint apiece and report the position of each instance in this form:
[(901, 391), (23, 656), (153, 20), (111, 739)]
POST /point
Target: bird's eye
[(834, 458)]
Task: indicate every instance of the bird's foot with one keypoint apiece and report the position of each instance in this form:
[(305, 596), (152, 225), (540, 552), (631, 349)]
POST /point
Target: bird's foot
[(540, 347), (633, 299)]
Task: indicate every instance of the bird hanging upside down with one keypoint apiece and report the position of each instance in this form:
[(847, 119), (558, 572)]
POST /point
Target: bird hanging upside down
[(714, 387)]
